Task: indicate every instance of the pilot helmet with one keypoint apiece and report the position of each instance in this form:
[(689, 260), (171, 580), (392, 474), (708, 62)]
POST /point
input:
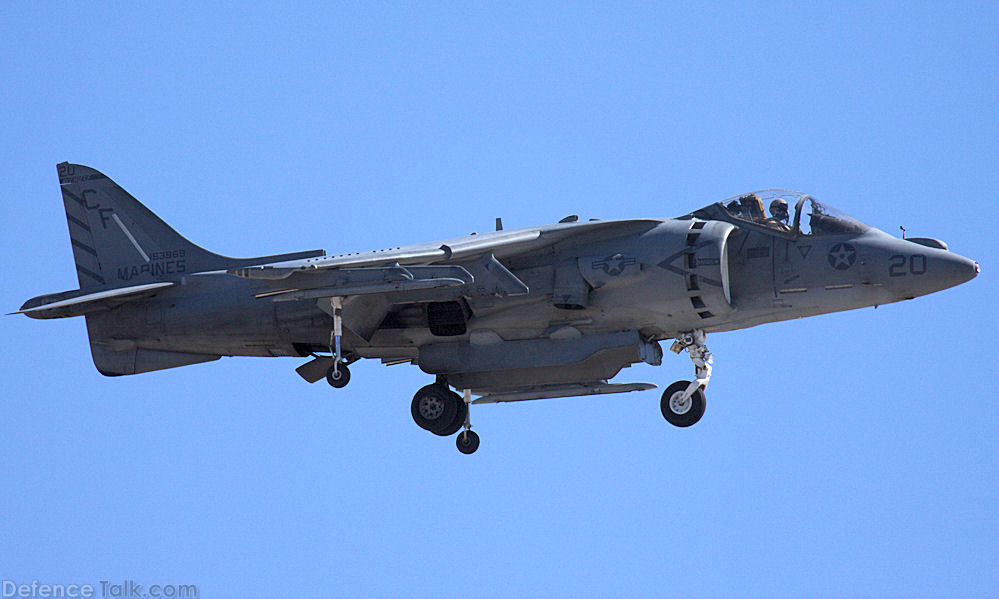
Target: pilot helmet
[(778, 209)]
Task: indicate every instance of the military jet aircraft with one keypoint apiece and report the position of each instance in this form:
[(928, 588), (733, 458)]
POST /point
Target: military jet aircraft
[(550, 311)]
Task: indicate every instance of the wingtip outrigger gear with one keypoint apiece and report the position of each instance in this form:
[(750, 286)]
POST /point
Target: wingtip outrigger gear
[(338, 374), (467, 440)]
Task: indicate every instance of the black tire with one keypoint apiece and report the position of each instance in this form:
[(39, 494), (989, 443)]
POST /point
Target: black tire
[(467, 442), (342, 377), (434, 407), (682, 415), (459, 419)]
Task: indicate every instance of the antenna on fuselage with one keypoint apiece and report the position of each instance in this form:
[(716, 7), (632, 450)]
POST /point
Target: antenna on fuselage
[(903, 231)]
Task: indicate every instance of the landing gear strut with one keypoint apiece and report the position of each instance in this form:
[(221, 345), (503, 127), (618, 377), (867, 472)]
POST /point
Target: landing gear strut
[(338, 375), (468, 440), (683, 402)]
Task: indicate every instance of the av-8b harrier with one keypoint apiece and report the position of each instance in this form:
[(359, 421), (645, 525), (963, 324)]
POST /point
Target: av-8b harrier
[(550, 311)]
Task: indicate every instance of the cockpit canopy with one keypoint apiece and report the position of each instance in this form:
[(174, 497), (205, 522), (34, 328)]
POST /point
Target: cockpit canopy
[(789, 212)]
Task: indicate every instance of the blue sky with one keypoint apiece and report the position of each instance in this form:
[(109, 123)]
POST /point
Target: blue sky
[(848, 455)]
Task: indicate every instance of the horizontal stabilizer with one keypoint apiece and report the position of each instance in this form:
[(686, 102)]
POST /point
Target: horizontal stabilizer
[(573, 390), (78, 302)]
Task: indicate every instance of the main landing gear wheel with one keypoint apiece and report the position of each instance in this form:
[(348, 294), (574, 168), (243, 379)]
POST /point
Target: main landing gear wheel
[(338, 376), (679, 410), (467, 442), (435, 408), (459, 419)]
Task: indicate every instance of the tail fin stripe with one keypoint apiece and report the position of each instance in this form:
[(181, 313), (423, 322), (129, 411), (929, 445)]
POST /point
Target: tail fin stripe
[(75, 198), (84, 247), (78, 222), (90, 274), (128, 234)]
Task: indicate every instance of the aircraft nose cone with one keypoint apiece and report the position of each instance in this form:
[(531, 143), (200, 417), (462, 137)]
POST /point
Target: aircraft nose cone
[(956, 269)]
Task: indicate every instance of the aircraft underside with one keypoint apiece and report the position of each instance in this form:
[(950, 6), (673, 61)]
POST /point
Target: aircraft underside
[(550, 311)]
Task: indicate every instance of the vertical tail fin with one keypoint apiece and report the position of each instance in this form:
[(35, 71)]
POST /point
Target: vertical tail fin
[(118, 241)]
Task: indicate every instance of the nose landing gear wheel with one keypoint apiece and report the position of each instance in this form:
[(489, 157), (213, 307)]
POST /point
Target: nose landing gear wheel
[(681, 411), (467, 442), (338, 377)]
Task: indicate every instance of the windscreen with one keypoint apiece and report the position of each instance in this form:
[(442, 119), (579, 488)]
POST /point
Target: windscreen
[(791, 212), (815, 218)]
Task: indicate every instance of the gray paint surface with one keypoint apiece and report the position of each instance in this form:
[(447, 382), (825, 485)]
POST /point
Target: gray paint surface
[(543, 310)]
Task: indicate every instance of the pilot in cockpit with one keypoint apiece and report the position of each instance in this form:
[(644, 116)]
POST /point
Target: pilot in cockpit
[(779, 215)]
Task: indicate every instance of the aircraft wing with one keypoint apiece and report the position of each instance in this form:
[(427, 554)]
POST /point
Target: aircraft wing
[(78, 303), (480, 277), (469, 263), (502, 244)]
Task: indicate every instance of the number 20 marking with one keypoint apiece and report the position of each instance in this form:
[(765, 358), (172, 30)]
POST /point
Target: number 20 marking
[(916, 263)]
